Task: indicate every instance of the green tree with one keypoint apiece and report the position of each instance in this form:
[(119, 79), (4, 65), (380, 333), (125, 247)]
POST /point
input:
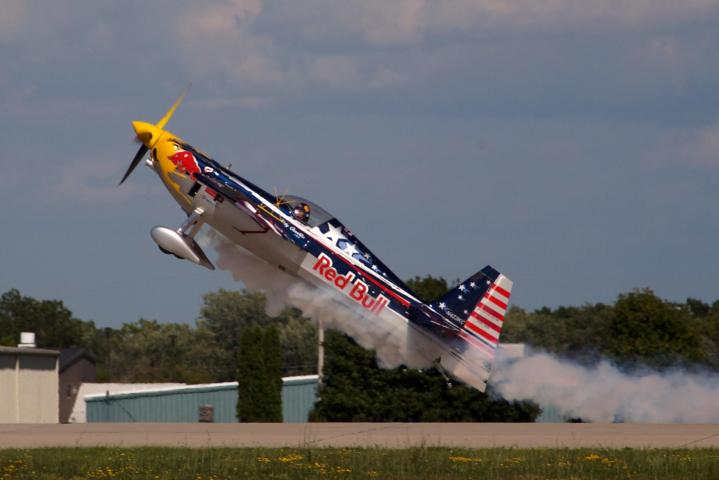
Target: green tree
[(355, 389), (272, 366), (149, 351), (697, 308), (298, 336), (259, 375), (646, 330), (708, 330), (224, 314), (52, 322), (639, 329), (428, 288)]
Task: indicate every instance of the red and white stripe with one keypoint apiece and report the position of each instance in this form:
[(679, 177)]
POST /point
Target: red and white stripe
[(487, 318)]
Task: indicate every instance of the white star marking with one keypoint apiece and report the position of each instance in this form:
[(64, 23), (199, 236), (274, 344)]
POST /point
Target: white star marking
[(472, 284), (374, 267), (462, 288), (442, 305), (460, 297), (334, 234), (351, 249)]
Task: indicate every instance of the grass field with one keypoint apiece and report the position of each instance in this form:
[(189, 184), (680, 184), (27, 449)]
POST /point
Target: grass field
[(353, 463)]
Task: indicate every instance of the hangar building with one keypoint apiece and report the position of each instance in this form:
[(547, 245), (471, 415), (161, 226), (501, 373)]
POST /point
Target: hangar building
[(184, 403)]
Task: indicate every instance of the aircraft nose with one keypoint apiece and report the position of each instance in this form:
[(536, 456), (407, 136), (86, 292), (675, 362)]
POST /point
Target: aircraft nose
[(147, 133)]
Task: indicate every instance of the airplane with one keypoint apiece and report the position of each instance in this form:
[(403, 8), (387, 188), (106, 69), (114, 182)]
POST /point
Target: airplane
[(458, 332)]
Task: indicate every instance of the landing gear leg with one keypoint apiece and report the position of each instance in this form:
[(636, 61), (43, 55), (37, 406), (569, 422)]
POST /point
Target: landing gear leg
[(192, 224)]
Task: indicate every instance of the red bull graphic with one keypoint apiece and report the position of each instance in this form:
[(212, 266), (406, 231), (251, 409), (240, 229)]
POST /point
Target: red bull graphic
[(185, 162), (355, 288)]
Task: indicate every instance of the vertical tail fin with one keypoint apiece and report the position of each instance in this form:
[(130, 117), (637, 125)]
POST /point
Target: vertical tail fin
[(485, 321), (477, 306), (459, 303)]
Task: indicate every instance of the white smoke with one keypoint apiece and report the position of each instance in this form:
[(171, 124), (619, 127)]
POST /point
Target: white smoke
[(390, 339), (603, 393)]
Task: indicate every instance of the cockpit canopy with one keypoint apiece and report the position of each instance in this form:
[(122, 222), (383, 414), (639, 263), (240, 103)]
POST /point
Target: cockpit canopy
[(318, 215), (322, 221)]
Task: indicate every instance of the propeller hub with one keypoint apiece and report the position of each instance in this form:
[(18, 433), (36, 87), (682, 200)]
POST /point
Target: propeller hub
[(147, 133)]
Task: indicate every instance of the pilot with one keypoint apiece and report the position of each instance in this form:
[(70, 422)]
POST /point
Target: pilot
[(301, 212)]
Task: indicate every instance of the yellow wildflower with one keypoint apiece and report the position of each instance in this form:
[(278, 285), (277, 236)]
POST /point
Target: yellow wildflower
[(291, 458), (460, 459)]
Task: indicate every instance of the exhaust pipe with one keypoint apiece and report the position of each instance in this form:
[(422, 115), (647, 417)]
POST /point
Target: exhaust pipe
[(184, 247)]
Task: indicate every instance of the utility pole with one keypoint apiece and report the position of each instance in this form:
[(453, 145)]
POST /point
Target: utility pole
[(320, 349), (108, 342)]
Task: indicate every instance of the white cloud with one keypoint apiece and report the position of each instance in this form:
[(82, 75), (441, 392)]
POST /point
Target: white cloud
[(334, 70), (392, 23), (92, 181), (248, 103), (703, 149), (294, 46), (509, 17), (282, 50), (14, 19)]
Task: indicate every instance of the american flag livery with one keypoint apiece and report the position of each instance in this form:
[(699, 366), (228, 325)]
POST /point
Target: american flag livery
[(484, 324), (476, 309)]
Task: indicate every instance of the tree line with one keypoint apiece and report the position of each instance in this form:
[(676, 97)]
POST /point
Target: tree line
[(639, 330), (150, 351), (230, 339)]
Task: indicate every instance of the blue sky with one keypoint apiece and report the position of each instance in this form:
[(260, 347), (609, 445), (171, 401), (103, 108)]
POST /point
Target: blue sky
[(573, 146)]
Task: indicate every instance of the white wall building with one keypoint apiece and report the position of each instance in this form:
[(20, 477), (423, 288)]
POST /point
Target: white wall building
[(28, 385)]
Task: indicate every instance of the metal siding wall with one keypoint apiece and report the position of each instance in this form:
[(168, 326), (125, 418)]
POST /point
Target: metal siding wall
[(550, 414), (298, 398), (171, 406), (38, 389), (8, 392)]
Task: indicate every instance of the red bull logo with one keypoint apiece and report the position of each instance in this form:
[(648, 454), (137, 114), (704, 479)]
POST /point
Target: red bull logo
[(350, 285), (185, 162)]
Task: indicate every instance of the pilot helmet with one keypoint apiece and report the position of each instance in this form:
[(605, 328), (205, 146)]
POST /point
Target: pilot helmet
[(301, 212)]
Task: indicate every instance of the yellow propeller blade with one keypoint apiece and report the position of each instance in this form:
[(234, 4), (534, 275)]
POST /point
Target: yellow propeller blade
[(166, 118)]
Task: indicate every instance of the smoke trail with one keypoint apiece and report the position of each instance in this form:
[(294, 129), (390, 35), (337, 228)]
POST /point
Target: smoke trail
[(603, 393), (390, 340)]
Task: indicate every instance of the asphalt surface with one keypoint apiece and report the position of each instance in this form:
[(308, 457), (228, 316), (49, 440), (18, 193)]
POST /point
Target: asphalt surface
[(393, 435)]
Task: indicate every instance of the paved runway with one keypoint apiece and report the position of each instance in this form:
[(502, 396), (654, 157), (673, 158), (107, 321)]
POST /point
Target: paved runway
[(394, 435)]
